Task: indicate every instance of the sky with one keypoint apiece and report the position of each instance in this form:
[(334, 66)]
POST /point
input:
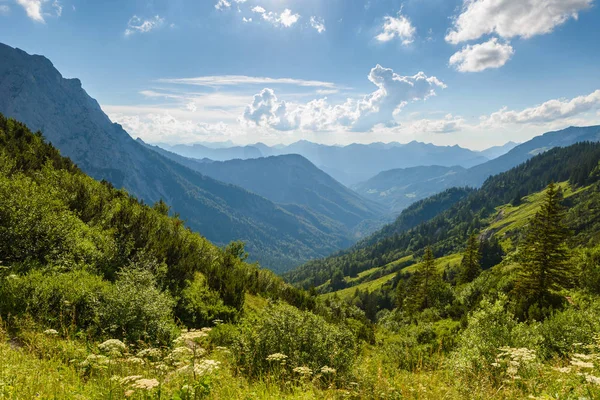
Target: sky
[(476, 73)]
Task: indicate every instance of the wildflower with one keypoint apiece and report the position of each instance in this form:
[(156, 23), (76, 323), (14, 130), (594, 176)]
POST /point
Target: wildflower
[(217, 321), (150, 354), (204, 367), (277, 357), (129, 393), (113, 347), (191, 338), (134, 360), (304, 371), (94, 360), (51, 332), (328, 370), (145, 384), (592, 379), (130, 379), (584, 357), (582, 364), (563, 370), (181, 353)]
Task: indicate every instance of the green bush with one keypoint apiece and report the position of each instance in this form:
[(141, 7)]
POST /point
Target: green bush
[(67, 302), (305, 338), (200, 306), (136, 310)]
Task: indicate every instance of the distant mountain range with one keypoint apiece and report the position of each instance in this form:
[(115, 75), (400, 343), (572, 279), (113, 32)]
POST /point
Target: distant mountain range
[(399, 188), (347, 164), (291, 181), (280, 237)]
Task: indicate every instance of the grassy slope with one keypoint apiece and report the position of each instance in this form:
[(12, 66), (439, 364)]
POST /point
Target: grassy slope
[(508, 221)]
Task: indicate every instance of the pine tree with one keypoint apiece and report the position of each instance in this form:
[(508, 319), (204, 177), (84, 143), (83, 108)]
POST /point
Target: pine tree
[(426, 276), (544, 254), (470, 267)]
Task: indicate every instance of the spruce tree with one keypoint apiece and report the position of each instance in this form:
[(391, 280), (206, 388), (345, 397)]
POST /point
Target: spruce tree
[(544, 254), (470, 267), (426, 276)]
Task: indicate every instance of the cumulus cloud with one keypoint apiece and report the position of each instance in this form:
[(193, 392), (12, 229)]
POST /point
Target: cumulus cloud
[(479, 57), (549, 111), (267, 110), (285, 19), (512, 18), (37, 10), (448, 124), (397, 27), (138, 25), (393, 93), (318, 24)]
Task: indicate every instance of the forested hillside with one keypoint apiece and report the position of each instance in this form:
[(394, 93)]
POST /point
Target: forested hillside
[(448, 231), (290, 180), (35, 93)]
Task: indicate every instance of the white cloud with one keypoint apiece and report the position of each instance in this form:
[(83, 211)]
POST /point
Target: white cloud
[(35, 9), (448, 124), (285, 19), (138, 25), (164, 127), (246, 19), (4, 9), (237, 80), (512, 18), (552, 110), (397, 27), (318, 24), (393, 93), (266, 109), (222, 4), (479, 57)]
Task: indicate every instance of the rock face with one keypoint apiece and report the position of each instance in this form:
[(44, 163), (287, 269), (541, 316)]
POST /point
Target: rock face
[(34, 92)]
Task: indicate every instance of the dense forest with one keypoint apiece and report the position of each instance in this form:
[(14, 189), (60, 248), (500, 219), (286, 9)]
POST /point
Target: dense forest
[(482, 294)]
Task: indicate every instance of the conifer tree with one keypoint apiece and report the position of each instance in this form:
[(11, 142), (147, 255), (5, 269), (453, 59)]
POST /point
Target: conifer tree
[(470, 267), (544, 254), (426, 276)]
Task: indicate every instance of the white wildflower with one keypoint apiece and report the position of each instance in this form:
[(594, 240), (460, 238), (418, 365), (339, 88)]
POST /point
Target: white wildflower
[(113, 347), (145, 384), (328, 370), (280, 357), (51, 332), (304, 371)]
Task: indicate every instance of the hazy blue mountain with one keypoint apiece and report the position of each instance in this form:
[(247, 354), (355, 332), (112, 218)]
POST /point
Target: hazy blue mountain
[(290, 179), (347, 164), (200, 151), (34, 92), (399, 188), (497, 151)]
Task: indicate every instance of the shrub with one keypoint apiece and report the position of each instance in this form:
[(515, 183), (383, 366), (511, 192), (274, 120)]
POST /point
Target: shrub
[(136, 310), (63, 301), (200, 306), (306, 340)]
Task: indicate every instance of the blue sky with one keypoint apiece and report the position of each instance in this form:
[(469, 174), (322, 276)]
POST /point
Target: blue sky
[(475, 73)]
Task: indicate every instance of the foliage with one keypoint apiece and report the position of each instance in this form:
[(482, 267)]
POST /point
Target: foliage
[(305, 339)]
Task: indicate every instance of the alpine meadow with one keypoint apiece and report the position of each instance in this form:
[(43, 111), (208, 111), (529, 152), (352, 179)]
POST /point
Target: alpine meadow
[(299, 199)]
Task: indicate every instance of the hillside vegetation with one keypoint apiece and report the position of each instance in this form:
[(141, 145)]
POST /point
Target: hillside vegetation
[(103, 296)]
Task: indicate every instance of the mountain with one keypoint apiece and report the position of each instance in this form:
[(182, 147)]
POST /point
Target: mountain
[(200, 151), (348, 164), (34, 92), (497, 151), (399, 188), (290, 180), (446, 229)]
